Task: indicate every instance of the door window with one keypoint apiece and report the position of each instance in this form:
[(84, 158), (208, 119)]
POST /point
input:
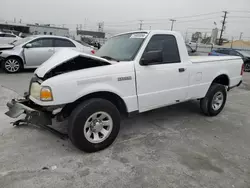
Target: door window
[(167, 46), (42, 43), (63, 43)]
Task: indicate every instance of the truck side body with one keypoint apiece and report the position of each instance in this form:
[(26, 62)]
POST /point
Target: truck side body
[(132, 72), (145, 88)]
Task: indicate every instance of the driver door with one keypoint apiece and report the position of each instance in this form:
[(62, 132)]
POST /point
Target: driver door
[(165, 80), (39, 51)]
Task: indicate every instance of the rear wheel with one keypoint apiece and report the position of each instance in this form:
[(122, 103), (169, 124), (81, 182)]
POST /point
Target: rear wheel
[(12, 65), (214, 101), (94, 125)]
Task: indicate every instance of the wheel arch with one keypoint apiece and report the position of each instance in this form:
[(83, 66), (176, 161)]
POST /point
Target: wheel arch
[(17, 57), (222, 79), (110, 96)]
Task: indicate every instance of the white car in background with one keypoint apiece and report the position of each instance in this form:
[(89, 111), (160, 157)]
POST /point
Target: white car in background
[(6, 38), (31, 52)]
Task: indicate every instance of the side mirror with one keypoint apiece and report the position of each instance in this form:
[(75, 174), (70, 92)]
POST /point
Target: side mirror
[(29, 45), (151, 57)]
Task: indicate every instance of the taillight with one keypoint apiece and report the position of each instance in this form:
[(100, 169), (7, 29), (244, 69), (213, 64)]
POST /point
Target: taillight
[(242, 69), (93, 51)]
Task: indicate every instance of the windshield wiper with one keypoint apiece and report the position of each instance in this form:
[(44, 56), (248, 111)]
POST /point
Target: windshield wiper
[(109, 58)]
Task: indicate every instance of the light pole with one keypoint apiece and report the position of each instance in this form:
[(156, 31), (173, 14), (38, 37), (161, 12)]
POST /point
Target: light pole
[(172, 25)]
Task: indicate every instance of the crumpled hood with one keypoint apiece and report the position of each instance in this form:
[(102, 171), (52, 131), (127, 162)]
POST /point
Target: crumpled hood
[(6, 46), (60, 57)]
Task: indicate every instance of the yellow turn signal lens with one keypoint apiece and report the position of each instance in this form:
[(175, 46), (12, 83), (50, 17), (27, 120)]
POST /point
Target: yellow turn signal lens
[(46, 94)]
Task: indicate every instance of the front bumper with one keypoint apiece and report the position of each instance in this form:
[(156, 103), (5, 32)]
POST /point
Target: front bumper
[(33, 114)]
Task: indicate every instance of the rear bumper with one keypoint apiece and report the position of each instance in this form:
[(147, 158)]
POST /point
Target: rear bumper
[(34, 115), (229, 88)]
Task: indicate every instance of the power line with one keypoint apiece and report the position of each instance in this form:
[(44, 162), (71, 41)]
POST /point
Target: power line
[(239, 17), (162, 19), (243, 11), (152, 23), (183, 21), (183, 17), (197, 15), (146, 23), (197, 20)]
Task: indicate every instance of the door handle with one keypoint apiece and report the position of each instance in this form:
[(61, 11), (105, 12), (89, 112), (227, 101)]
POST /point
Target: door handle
[(182, 69), (50, 50)]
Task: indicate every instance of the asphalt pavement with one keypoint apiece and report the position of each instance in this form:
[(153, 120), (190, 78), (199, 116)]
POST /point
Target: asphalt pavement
[(174, 146)]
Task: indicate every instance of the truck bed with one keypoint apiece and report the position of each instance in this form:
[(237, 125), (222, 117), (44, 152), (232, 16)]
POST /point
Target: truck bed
[(204, 59)]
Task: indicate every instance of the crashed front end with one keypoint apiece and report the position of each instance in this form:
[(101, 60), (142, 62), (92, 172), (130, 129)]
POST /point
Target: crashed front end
[(30, 112), (34, 114), (39, 105)]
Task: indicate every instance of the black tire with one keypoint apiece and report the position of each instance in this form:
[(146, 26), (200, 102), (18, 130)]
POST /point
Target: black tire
[(81, 114), (206, 102), (17, 62)]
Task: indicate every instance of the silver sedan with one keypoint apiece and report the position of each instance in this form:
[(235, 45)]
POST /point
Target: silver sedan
[(30, 52)]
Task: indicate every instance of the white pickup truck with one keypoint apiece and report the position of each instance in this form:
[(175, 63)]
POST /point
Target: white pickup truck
[(132, 73)]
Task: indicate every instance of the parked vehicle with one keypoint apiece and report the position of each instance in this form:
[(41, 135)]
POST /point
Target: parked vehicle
[(6, 38), (132, 73), (30, 52), (87, 45), (225, 52)]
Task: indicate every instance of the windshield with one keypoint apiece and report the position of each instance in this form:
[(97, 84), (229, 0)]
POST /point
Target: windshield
[(21, 41), (123, 47)]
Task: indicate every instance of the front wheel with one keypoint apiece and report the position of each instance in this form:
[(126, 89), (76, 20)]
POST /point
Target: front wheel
[(12, 65), (94, 125), (214, 101)]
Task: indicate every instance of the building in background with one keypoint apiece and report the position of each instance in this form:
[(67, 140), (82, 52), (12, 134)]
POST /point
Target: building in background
[(37, 29), (34, 29), (15, 28)]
